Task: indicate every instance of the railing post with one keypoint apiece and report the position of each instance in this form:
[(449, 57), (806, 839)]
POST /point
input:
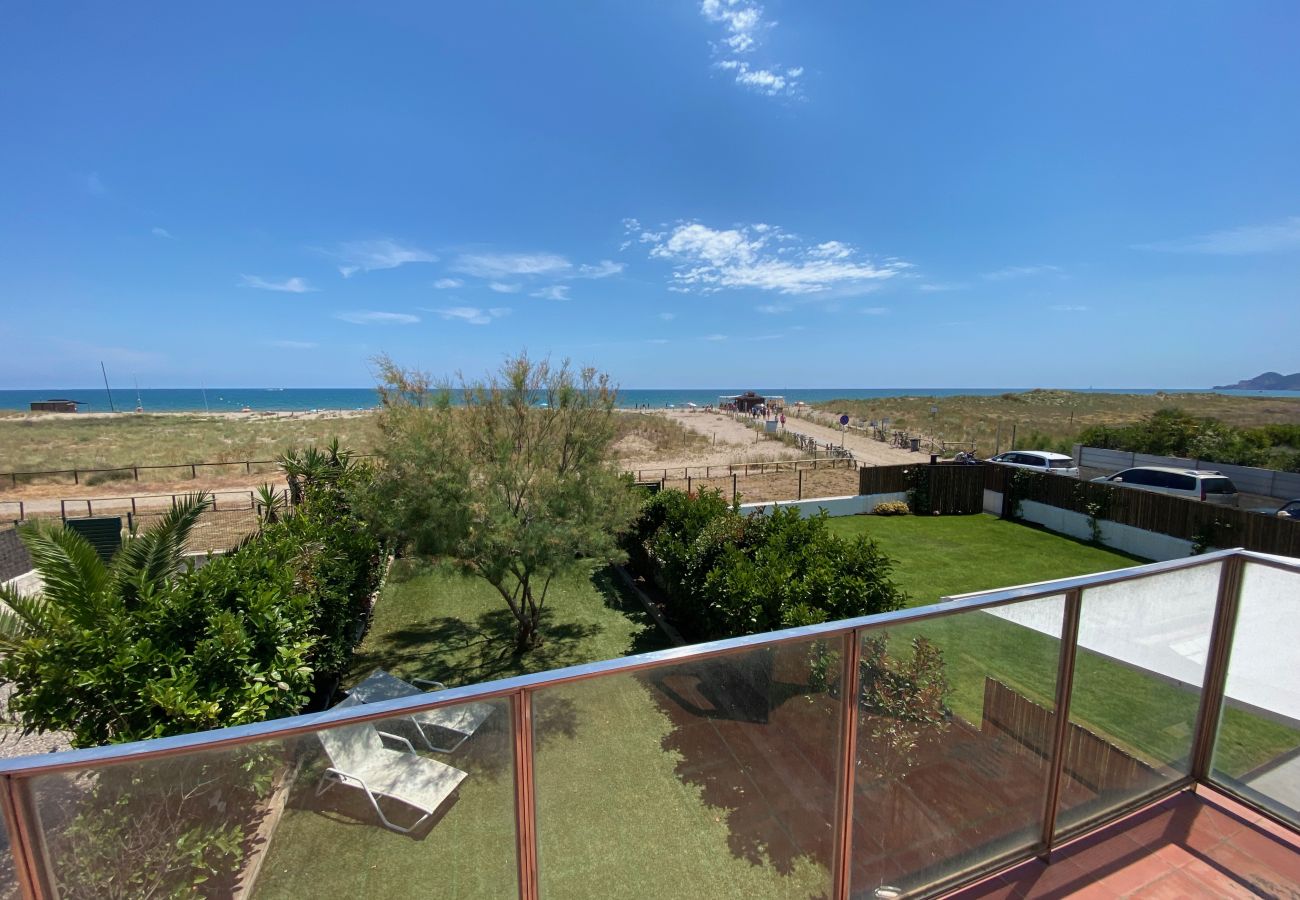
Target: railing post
[(26, 840), (850, 686), (521, 705), (1061, 721), (1216, 667)]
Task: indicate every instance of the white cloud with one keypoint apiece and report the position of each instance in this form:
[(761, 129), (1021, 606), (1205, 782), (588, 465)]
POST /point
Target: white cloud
[(1247, 239), (511, 265), (932, 288), (875, 311), (772, 82), (295, 345), (602, 269), (554, 292), (667, 316), (1020, 272), (714, 337), (383, 253), (764, 257), (370, 317), (502, 288), (160, 232), (773, 309), (1066, 308), (472, 314), (743, 26), (293, 285), (447, 284)]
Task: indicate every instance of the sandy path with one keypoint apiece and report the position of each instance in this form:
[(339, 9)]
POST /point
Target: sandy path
[(865, 449)]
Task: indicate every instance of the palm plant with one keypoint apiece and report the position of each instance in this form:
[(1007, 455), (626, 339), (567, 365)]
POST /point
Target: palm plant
[(80, 590), (270, 504)]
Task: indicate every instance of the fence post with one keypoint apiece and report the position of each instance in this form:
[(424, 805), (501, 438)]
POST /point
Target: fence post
[(193, 471), (76, 479), (248, 467), (850, 687), (733, 488), (1216, 667), (525, 795), (63, 509), (799, 493), (136, 471), (1061, 723), (132, 506), (688, 484)]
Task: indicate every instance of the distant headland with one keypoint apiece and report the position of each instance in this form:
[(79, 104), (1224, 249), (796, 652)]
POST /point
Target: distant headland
[(1269, 381)]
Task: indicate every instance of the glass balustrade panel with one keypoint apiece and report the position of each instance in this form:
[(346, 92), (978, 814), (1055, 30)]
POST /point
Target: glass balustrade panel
[(1257, 750), (352, 811), (954, 737), (1138, 674), (702, 778)]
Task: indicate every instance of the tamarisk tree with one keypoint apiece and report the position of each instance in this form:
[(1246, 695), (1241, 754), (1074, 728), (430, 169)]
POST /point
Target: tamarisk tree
[(511, 476)]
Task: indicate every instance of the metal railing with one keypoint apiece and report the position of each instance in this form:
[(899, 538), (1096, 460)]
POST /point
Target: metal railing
[(22, 806)]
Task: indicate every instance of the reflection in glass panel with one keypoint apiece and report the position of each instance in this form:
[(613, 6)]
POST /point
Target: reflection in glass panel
[(706, 778), (1257, 752), (954, 733), (319, 815), (1143, 646)]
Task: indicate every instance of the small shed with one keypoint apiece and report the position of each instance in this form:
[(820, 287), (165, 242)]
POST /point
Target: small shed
[(57, 405)]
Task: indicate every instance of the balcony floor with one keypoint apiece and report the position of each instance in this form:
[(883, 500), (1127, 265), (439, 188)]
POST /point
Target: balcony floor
[(1199, 844)]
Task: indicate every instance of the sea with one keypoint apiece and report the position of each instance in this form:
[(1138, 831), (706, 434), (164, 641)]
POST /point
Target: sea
[(272, 399)]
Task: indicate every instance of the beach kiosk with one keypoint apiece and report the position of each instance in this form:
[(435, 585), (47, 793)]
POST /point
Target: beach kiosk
[(58, 405)]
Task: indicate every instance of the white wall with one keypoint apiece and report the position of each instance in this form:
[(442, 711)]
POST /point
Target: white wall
[(1147, 544), (834, 506), (1265, 482)]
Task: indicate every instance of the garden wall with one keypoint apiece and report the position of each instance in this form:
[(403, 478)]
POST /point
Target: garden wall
[(834, 506)]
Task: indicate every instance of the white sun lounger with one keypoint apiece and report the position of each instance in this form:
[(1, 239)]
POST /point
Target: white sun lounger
[(359, 758), (461, 721)]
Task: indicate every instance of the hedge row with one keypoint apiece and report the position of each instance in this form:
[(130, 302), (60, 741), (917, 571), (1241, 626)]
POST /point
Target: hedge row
[(728, 574)]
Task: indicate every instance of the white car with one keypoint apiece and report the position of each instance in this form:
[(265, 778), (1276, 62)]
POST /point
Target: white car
[(1212, 487), (1039, 461)]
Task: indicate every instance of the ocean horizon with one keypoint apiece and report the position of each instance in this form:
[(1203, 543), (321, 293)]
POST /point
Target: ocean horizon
[(272, 399)]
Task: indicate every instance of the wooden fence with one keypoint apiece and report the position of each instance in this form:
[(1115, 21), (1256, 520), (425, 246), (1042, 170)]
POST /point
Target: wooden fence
[(742, 470), (1090, 760), (1180, 517), (949, 489)]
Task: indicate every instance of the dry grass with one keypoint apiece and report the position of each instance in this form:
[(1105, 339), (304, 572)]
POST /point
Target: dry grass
[(1057, 415), (36, 444)]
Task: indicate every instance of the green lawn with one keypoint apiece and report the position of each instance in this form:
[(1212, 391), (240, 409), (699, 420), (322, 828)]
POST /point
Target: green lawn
[(942, 555), (620, 806), (600, 754)]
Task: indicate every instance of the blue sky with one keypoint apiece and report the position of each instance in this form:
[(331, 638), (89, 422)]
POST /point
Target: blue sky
[(681, 193)]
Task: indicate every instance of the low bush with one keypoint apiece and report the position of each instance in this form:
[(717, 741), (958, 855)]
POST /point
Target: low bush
[(891, 508), (727, 574)]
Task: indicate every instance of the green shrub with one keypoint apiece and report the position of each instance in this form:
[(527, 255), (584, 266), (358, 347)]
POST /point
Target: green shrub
[(728, 574), (891, 508)]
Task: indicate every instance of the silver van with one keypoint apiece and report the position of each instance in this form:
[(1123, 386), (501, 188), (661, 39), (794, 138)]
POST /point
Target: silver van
[(1212, 487)]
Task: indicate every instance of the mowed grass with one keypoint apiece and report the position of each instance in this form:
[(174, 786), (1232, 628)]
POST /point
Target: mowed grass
[(946, 555), (599, 760), (1056, 415), (938, 556), (615, 814)]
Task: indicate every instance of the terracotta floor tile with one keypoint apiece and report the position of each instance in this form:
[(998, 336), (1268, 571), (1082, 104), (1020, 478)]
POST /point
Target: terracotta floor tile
[(1138, 874)]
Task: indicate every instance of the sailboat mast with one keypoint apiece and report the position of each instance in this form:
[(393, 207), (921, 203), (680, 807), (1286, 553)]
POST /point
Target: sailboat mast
[(111, 407)]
